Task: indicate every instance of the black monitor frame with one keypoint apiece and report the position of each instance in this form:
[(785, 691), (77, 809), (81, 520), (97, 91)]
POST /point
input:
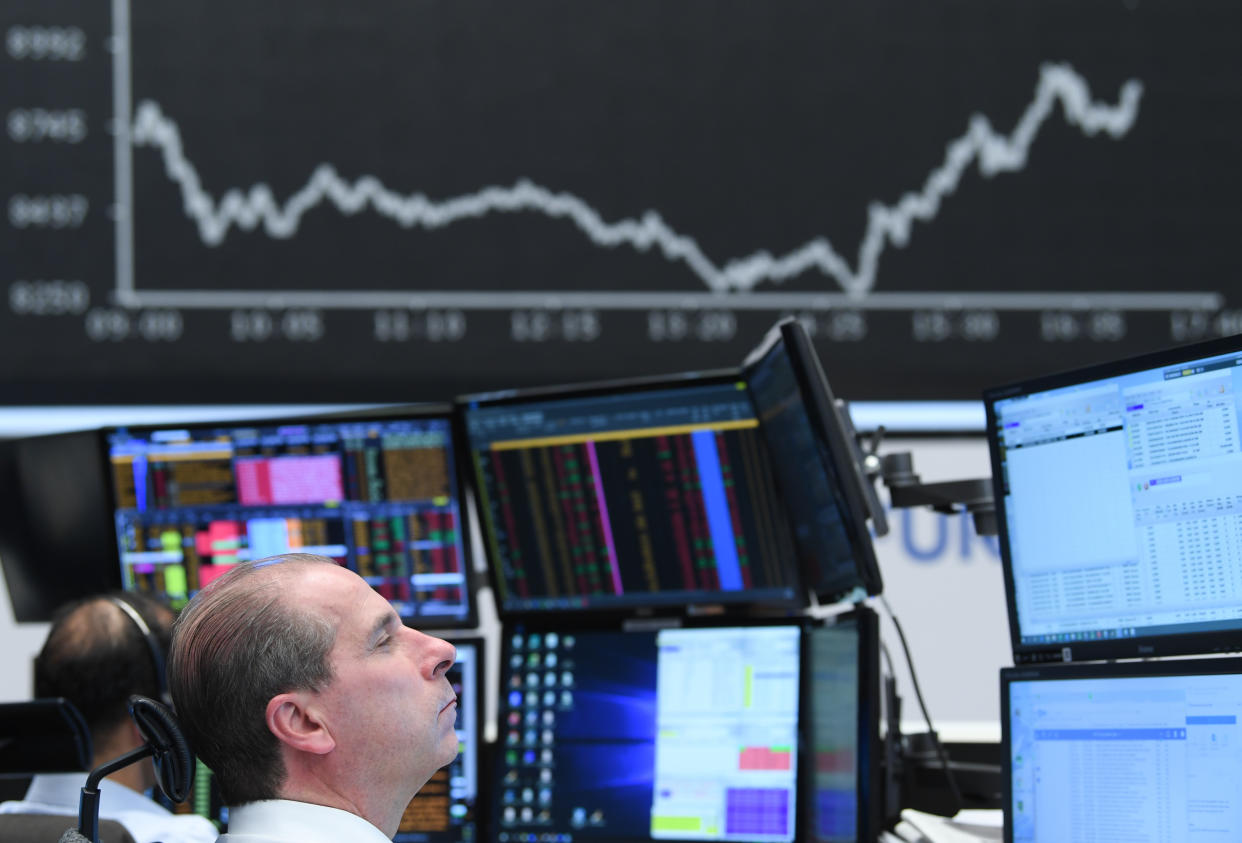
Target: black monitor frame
[(1099, 670), (1141, 646), (840, 457), (46, 735), (869, 760), (589, 623), (57, 539), (711, 603), (414, 412)]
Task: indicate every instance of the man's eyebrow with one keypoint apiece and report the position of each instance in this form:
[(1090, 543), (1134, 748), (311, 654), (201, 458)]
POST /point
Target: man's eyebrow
[(384, 624)]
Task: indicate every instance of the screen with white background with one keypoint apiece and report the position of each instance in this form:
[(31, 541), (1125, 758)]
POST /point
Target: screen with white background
[(1123, 504), (1133, 758)]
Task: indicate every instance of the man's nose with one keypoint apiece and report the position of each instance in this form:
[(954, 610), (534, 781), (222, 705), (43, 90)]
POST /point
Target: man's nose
[(441, 654)]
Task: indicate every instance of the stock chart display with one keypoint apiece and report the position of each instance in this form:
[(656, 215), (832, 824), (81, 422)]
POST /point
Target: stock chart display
[(397, 201), (380, 497), (635, 498)]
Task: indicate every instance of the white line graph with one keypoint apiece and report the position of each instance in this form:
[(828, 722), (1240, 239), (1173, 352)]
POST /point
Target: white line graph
[(887, 225)]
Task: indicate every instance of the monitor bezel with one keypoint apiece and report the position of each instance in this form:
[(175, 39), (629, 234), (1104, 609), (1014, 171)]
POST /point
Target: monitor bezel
[(1098, 670), (438, 410), (1188, 643), (46, 564), (587, 624), (606, 615), (869, 778), (834, 433)]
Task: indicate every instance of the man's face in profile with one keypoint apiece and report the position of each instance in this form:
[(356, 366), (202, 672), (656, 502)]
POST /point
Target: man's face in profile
[(389, 706)]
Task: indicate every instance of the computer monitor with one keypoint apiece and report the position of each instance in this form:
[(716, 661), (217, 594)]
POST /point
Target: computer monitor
[(629, 496), (1118, 499), (446, 809), (843, 713), (818, 466), (380, 495), (1122, 751), (669, 734), (206, 800), (55, 531)]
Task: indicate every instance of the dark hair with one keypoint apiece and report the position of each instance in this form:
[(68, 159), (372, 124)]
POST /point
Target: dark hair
[(96, 657), (235, 646)]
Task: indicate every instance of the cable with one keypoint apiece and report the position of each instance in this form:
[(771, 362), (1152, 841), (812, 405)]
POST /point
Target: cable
[(888, 659), (892, 672), (918, 693)]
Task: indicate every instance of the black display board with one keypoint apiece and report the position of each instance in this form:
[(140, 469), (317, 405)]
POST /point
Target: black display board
[(228, 201)]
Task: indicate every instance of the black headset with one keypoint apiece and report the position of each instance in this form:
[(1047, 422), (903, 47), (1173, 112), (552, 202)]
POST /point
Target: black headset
[(153, 644)]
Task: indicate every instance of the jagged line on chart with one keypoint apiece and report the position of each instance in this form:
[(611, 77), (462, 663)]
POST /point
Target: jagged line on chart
[(886, 224)]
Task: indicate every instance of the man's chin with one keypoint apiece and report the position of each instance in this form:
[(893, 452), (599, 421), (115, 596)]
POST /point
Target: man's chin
[(451, 752)]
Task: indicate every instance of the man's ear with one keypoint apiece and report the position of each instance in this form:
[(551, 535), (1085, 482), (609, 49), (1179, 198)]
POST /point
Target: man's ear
[(294, 720)]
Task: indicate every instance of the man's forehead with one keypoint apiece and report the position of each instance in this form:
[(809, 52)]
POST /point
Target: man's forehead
[(324, 586), (356, 608)]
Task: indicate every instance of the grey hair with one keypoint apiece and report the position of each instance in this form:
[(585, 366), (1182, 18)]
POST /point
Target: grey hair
[(234, 647)]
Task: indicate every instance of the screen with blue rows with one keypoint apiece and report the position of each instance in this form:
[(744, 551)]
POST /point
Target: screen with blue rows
[(649, 497)]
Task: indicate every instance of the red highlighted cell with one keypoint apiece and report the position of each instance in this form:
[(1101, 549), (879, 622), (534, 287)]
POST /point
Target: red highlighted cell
[(764, 758)]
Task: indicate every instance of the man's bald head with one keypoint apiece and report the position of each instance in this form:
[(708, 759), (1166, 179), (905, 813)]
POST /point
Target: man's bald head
[(96, 656), (236, 645)]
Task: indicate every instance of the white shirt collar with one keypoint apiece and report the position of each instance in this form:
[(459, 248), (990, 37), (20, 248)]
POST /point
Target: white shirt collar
[(284, 819), (60, 793), (65, 790)]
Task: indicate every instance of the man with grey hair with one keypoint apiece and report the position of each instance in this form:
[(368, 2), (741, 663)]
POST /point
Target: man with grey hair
[(319, 712)]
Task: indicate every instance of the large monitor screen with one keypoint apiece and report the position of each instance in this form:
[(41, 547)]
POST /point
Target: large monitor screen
[(381, 496), (1126, 751), (675, 734), (844, 717), (446, 809), (1119, 503), (637, 495), (814, 456)]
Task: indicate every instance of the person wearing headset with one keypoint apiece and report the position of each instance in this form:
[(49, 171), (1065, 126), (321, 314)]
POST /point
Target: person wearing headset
[(99, 651)]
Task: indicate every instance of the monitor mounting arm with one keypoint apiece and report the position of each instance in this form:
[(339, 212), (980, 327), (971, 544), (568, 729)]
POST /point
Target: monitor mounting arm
[(907, 490)]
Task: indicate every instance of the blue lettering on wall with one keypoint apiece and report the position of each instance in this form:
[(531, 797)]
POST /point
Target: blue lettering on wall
[(936, 546), (931, 554)]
